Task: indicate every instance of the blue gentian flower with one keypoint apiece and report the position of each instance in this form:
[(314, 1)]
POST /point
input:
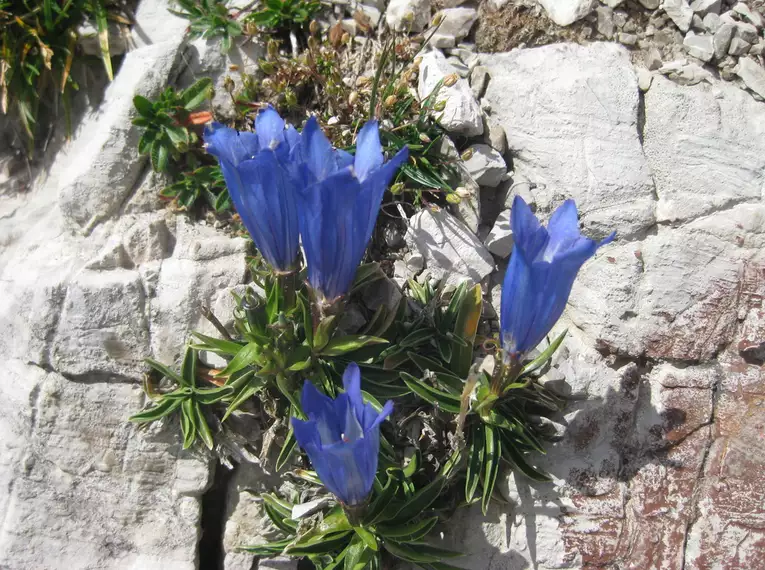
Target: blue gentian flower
[(342, 437), (340, 200), (262, 182), (542, 269)]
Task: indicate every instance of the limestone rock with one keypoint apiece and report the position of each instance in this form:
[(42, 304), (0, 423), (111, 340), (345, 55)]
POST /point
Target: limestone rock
[(107, 164), (704, 7), (570, 113), (566, 12), (74, 466), (700, 46), (680, 12), (753, 75), (406, 15), (455, 25), (500, 239), (687, 125), (450, 250), (461, 114), (722, 39), (485, 165)]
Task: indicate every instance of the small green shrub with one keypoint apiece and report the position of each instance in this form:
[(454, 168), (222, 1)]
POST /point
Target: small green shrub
[(210, 19), (283, 15)]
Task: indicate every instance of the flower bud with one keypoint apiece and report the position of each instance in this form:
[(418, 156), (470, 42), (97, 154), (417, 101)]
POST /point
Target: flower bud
[(467, 155), (290, 98), (424, 138), (437, 19), (439, 106), (363, 80), (417, 61), (273, 48), (267, 67), (312, 43), (463, 192), (228, 84), (346, 38), (450, 79), (353, 97), (453, 198), (397, 188), (390, 100), (313, 27)]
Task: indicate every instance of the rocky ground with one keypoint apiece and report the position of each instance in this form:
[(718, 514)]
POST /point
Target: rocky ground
[(657, 132)]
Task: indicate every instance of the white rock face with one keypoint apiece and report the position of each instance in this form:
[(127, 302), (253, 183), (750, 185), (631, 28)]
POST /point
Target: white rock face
[(461, 114), (106, 150), (571, 117), (449, 248), (408, 15), (705, 146), (566, 12), (752, 74)]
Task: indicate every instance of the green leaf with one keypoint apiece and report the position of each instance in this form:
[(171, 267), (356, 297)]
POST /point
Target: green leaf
[(411, 532), (515, 457), (418, 552), (442, 400), (475, 462), (421, 500), (203, 429), (299, 358), (165, 407), (305, 311), (187, 423), (319, 545), (255, 385), (546, 355), (193, 96), (416, 338), (375, 510), (466, 326), (492, 456), (349, 343), (159, 156), (324, 332), (367, 537), (209, 396), (189, 368), (280, 519), (178, 135), (353, 554), (246, 356), (424, 363), (287, 449), (268, 550), (216, 345), (144, 107)]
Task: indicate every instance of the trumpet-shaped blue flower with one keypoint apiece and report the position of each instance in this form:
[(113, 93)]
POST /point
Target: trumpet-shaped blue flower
[(542, 270), (262, 182), (342, 437), (340, 200)]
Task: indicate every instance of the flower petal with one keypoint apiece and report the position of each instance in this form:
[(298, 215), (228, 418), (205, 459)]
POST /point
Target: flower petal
[(369, 156), (230, 144), (269, 127), (321, 409), (318, 153), (528, 234)]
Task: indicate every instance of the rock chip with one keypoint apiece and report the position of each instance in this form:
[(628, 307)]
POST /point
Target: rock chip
[(455, 25), (497, 138), (747, 32), (479, 79), (712, 22), (449, 248), (605, 23), (461, 114), (680, 12), (738, 47), (500, 238), (750, 16), (485, 165), (566, 12), (652, 59), (408, 15), (650, 4)]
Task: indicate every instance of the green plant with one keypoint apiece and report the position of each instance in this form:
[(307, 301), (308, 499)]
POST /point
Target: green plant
[(210, 19), (204, 182), (37, 53), (167, 120), (283, 15), (187, 398)]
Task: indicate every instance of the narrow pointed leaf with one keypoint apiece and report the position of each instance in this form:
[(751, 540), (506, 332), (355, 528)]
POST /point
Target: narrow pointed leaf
[(164, 408)]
